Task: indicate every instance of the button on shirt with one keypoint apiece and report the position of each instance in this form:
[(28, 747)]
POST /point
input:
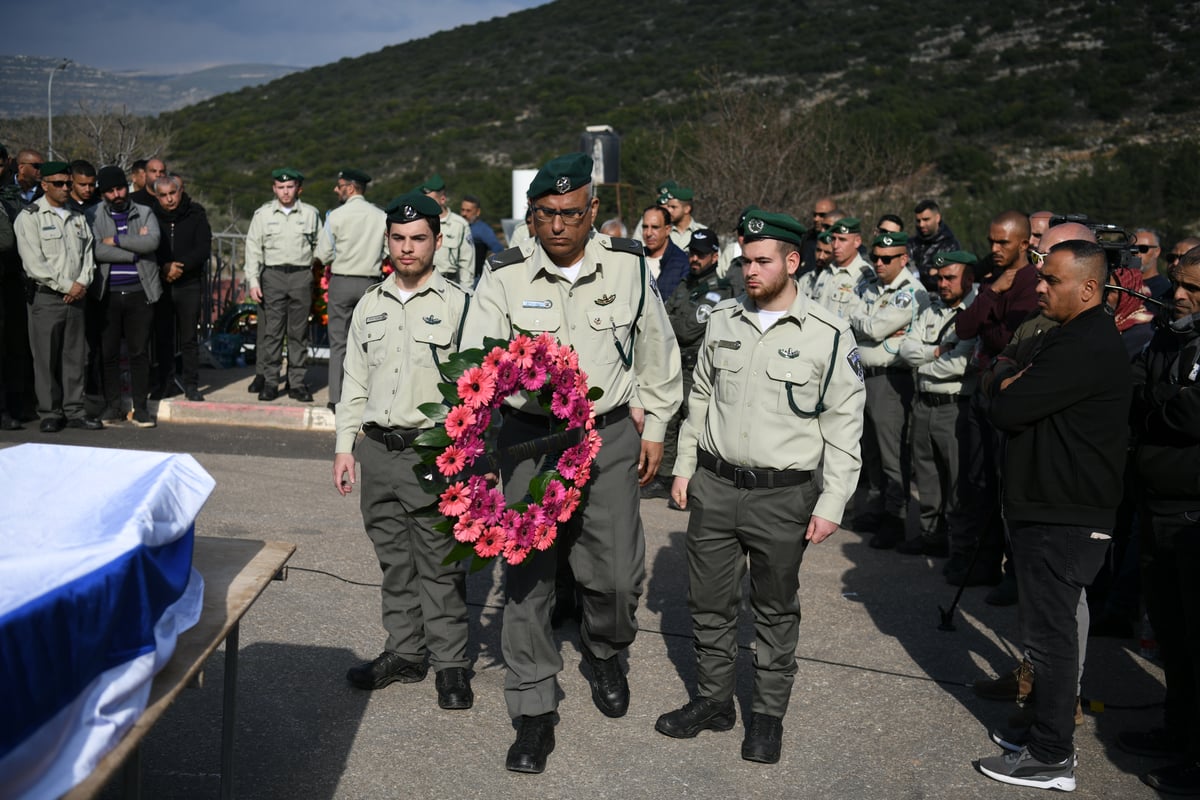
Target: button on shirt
[(56, 248), (392, 355), (749, 385)]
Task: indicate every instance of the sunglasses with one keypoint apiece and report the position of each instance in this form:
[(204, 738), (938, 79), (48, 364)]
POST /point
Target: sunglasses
[(1036, 257), (885, 259), (1145, 248), (1173, 257), (59, 184)]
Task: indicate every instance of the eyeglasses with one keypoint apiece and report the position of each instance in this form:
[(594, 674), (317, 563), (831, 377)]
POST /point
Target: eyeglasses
[(1145, 248), (34, 164), (58, 184), (1173, 257), (1037, 257), (570, 216), (885, 260)]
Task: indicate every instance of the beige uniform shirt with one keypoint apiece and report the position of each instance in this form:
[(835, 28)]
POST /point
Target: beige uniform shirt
[(749, 386), (884, 310), (934, 329), (838, 289), (683, 238), (279, 238), (598, 315), (55, 251), (455, 259), (392, 356), (352, 241)]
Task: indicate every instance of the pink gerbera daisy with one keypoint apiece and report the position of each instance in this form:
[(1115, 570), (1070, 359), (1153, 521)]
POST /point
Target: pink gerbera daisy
[(468, 529), (458, 420), (455, 500), (521, 349), (451, 461), (490, 542), (476, 387)]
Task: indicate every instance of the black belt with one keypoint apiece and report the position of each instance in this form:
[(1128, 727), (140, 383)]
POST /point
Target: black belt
[(931, 399), (871, 372), (602, 420), (47, 290), (288, 267), (757, 478), (392, 438)]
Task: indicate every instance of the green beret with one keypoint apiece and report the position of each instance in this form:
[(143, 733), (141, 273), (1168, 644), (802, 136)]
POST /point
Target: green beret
[(54, 168), (761, 224), (287, 174), (954, 257), (666, 186), (890, 239), (356, 175), (680, 193), (847, 225), (741, 223), (561, 175), (825, 236), (434, 184), (412, 206)]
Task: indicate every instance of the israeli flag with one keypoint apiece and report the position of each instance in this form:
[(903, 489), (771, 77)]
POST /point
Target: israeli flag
[(96, 583)]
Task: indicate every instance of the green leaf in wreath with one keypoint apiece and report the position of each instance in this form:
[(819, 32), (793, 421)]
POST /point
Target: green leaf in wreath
[(457, 553), (436, 412), (537, 486), (434, 437), (450, 392), (595, 393)]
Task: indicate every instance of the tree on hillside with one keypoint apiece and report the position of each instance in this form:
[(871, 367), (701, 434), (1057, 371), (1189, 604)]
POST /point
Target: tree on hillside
[(102, 136)]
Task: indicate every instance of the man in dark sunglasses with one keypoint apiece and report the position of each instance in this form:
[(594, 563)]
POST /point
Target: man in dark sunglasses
[(1147, 247)]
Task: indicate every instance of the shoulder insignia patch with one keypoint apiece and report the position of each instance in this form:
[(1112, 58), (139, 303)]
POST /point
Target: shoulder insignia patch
[(621, 245), (855, 361), (703, 312), (902, 299), (513, 255)]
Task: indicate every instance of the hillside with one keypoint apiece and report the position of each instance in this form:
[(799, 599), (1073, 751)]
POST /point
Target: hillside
[(24, 80), (978, 96)]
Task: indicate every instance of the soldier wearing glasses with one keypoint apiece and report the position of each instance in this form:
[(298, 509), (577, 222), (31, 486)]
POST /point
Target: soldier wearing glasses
[(778, 392), (891, 303), (594, 293)]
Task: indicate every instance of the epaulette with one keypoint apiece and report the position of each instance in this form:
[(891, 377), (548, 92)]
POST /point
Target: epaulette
[(30, 207), (513, 255), (631, 246)]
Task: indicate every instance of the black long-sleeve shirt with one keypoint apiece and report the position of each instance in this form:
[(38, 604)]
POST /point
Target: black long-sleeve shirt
[(1067, 423)]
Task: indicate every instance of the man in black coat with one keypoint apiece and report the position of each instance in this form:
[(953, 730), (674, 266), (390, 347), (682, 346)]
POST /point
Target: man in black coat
[(183, 252), (1066, 419), (1166, 420)]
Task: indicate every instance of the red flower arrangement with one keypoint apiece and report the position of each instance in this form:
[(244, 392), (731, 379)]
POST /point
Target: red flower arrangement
[(482, 524)]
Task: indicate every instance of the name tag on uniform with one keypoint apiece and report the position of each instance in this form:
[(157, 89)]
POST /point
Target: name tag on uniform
[(377, 318), (536, 304), (731, 345)]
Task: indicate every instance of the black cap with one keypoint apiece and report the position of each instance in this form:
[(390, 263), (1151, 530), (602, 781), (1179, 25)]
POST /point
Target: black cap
[(110, 177)]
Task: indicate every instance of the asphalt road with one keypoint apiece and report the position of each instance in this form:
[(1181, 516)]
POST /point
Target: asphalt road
[(880, 707)]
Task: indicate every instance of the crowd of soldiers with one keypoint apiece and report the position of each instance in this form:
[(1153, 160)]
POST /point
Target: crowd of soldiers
[(794, 366)]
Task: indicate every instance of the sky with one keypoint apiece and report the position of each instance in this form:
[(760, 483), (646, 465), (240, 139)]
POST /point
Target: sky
[(181, 36)]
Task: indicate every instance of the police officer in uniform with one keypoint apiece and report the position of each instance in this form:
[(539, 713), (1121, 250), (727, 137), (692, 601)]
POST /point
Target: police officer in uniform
[(280, 244), (839, 285), (778, 393), (890, 304), (56, 247), (351, 245), (594, 293), (400, 331), (689, 307), (945, 382), (456, 257)]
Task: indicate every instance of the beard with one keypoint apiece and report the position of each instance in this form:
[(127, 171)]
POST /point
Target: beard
[(766, 292)]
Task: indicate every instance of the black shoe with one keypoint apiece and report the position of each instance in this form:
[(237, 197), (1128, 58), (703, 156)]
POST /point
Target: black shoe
[(193, 395), (655, 489), (764, 739), (302, 394), (923, 546), (610, 690), (1181, 778), (387, 668), (671, 504), (257, 384), (268, 394), (889, 534), (142, 419), (700, 714), (1004, 594), (10, 423), (1155, 743), (535, 741), (85, 423), (454, 689), (53, 424)]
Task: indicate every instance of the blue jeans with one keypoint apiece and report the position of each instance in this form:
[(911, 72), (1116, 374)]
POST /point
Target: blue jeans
[(1053, 564)]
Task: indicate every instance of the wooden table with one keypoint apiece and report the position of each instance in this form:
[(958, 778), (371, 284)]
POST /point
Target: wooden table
[(235, 573)]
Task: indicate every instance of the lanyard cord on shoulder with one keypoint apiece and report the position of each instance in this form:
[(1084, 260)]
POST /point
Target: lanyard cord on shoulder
[(820, 409)]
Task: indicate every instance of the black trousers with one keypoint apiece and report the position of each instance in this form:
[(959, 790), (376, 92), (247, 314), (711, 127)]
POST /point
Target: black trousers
[(177, 322), (128, 317)]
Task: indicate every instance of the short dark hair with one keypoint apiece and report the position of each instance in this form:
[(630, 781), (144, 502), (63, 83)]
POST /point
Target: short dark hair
[(892, 218), (1087, 255), (661, 210), (927, 204), (82, 167), (435, 223), (136, 165), (1191, 258), (470, 198)]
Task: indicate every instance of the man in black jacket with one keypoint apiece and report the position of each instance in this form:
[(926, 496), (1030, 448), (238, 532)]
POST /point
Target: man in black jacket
[(183, 252), (1065, 415), (1166, 419)]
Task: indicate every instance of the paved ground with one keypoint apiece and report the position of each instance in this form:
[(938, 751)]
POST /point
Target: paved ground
[(881, 707)]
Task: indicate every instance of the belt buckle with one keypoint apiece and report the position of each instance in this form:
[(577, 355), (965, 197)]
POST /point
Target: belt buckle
[(394, 441), (744, 478)]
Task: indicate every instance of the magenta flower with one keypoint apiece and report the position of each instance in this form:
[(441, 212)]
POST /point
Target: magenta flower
[(545, 535), (458, 420), (533, 377)]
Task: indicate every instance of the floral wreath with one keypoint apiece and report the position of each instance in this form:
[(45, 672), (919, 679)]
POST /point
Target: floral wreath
[(477, 516)]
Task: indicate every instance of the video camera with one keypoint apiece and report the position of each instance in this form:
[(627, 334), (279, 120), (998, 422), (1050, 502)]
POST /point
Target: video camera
[(1119, 247)]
